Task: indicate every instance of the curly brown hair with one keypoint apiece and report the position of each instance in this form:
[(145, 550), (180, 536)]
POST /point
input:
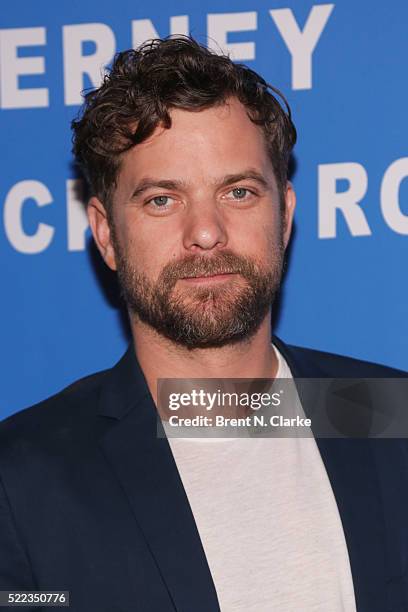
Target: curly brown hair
[(143, 85)]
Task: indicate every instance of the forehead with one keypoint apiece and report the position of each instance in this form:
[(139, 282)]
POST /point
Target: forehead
[(200, 145)]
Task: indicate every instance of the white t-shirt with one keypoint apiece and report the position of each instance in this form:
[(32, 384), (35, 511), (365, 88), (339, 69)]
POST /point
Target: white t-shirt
[(268, 522)]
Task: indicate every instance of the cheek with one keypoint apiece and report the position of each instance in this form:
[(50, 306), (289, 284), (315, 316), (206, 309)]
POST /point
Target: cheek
[(148, 250), (261, 237), (273, 228)]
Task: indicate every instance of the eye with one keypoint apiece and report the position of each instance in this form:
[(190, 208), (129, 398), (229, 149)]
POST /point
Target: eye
[(160, 201), (239, 193)]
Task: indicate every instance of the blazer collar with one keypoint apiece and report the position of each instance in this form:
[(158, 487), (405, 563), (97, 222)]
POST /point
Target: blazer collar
[(351, 465), (299, 364), (125, 385), (145, 467)]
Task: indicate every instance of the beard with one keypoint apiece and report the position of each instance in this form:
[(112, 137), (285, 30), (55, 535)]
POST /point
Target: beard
[(207, 316)]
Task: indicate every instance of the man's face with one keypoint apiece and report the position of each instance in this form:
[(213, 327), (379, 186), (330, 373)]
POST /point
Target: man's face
[(197, 233)]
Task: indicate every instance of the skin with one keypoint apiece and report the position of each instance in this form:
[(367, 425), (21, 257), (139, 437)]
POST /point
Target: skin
[(202, 216)]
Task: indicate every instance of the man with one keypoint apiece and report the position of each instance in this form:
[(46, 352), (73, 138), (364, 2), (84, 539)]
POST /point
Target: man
[(186, 155)]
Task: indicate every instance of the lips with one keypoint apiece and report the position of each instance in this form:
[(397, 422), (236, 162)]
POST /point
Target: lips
[(222, 273), (218, 277), (216, 274)]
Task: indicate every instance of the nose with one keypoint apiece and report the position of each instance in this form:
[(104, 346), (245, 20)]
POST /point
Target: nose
[(204, 228)]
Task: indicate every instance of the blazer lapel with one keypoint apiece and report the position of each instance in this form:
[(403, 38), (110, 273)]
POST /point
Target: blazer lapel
[(148, 474), (351, 467)]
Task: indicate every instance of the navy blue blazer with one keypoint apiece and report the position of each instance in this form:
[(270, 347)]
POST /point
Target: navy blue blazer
[(91, 500)]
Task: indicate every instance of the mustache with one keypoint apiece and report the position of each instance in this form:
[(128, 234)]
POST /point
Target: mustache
[(225, 262)]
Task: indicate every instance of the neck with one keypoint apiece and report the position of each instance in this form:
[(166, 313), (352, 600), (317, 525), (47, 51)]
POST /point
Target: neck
[(161, 358)]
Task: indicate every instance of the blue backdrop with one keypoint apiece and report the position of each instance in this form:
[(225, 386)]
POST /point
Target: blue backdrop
[(343, 69)]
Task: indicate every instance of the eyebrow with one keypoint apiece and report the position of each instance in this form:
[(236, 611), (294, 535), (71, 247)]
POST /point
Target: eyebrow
[(253, 175), (229, 179), (149, 183)]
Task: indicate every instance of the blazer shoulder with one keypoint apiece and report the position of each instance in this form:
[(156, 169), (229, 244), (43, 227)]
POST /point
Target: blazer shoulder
[(73, 405), (342, 366)]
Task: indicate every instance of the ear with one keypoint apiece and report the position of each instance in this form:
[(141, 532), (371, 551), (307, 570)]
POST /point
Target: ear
[(98, 220), (290, 204)]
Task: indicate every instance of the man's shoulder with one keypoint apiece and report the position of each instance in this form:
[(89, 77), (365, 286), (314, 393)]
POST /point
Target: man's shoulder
[(337, 366), (72, 406)]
